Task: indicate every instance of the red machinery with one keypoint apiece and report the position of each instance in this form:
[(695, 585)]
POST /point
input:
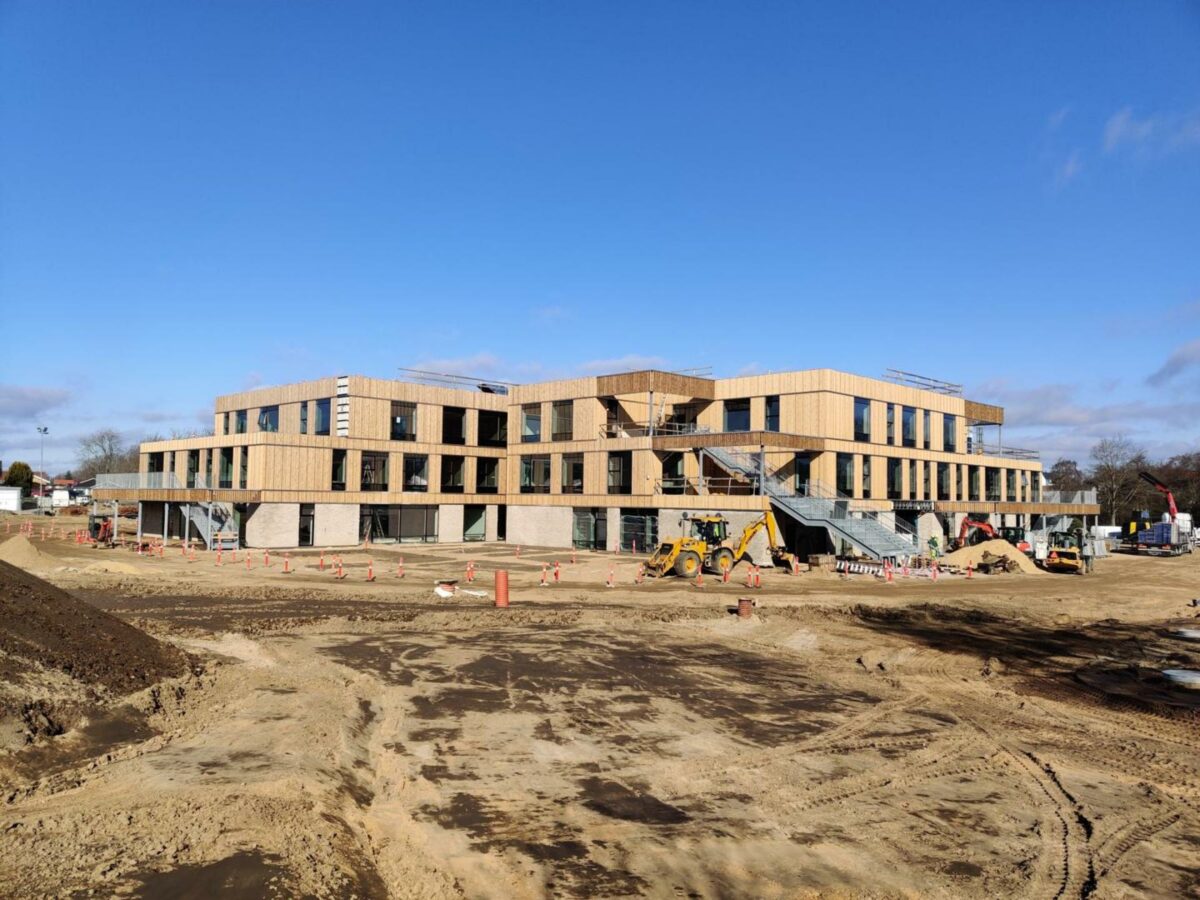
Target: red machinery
[(1162, 489)]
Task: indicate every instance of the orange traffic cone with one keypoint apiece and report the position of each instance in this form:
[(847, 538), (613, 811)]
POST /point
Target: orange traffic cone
[(321, 562), (969, 570), (370, 570), (287, 564), (400, 568), (543, 582), (267, 558), (557, 574)]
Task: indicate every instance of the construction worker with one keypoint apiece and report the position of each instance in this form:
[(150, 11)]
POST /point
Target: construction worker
[(1089, 554), (933, 547)]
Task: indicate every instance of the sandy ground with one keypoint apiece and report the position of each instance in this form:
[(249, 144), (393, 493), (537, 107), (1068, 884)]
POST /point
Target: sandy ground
[(1002, 736)]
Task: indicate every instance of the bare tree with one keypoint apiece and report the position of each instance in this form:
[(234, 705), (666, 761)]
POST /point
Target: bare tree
[(101, 451), (1064, 475), (1116, 463)]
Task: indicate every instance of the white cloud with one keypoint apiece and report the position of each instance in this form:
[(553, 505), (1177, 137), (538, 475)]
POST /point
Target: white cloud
[(1070, 168), (1156, 133), (1055, 120), (25, 401), (1182, 359)]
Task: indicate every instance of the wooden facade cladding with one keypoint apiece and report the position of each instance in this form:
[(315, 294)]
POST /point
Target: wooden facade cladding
[(983, 413), (659, 382)]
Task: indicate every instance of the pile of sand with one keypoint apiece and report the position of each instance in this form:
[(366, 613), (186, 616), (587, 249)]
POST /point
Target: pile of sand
[(45, 628), (17, 551), (974, 555)]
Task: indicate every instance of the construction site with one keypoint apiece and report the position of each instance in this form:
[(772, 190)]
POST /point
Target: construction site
[(494, 719)]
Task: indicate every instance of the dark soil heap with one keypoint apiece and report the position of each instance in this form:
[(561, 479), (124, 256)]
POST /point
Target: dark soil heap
[(41, 624)]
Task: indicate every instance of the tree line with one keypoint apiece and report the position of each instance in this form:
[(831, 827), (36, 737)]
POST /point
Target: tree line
[(1113, 470)]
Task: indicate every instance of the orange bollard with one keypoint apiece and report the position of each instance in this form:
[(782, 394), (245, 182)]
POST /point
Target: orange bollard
[(641, 575), (933, 572), (370, 570), (887, 571), (340, 574), (543, 582), (192, 555), (267, 558), (218, 555), (501, 589), (470, 572), (724, 576), (757, 577), (750, 576), (968, 570), (557, 574), (634, 550), (572, 557), (321, 563), (700, 576), (609, 582), (400, 568), (160, 551), (518, 551), (247, 560), (287, 564)]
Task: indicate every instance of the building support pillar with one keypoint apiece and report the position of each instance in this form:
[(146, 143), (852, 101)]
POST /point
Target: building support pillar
[(700, 489), (139, 524), (187, 523), (166, 521), (208, 541)]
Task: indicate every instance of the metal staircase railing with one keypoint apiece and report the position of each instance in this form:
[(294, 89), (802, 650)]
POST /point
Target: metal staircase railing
[(224, 534), (819, 505)]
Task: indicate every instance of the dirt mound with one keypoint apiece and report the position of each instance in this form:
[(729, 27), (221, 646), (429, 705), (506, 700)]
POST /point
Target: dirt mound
[(44, 627), (17, 551), (113, 567), (975, 555)]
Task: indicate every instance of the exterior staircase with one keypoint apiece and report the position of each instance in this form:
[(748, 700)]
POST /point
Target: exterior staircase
[(817, 506), (224, 526)]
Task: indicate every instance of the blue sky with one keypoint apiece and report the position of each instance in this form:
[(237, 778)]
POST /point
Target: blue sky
[(211, 196)]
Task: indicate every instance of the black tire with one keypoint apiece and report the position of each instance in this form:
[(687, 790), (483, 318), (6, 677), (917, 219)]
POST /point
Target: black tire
[(722, 560), (687, 564)]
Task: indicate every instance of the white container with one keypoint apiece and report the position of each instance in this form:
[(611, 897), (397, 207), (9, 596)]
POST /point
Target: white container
[(10, 499)]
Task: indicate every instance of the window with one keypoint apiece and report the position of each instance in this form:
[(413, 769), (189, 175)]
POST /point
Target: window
[(322, 422), (572, 473), (226, 468), (909, 426), (452, 474), (562, 420), (374, 471), (803, 465), (531, 423), (304, 417), (208, 468), (992, 482), (737, 415), (487, 475), (1024, 494), (895, 478), (454, 425), (958, 481), (224, 423), (943, 481), (891, 423), (772, 420), (535, 474), (337, 472), (193, 467), (913, 483), (620, 472), (1011, 486), (1035, 487), (927, 476), (862, 419), (416, 472), (928, 431), (239, 421), (493, 428), (244, 468), (845, 474), (268, 418), (949, 433), (866, 475), (973, 477), (404, 421)]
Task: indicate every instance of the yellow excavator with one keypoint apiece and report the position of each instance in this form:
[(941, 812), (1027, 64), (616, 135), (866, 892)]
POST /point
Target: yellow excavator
[(709, 545)]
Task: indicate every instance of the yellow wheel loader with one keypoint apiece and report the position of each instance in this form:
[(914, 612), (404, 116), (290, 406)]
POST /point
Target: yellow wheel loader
[(709, 546), (1065, 553)]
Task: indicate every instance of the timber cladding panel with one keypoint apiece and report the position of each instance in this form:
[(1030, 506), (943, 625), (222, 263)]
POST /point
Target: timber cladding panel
[(653, 380)]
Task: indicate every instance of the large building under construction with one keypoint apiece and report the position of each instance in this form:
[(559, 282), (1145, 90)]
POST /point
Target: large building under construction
[(847, 463)]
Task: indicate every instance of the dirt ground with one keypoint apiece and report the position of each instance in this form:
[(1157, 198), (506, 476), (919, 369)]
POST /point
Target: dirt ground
[(1006, 735)]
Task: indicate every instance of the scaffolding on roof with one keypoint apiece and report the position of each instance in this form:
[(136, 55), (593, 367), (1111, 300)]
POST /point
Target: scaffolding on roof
[(461, 382)]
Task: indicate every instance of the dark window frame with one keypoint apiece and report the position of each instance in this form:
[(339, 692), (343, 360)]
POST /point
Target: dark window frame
[(410, 484), (374, 464), (450, 487), (570, 485), (403, 420), (270, 416), (771, 418), (535, 473), (531, 412), (449, 414), (496, 437), (323, 413), (862, 419), (484, 464), (562, 427), (337, 463)]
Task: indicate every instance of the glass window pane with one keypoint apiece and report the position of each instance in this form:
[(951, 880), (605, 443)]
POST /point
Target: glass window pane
[(404, 421), (862, 419), (323, 417), (531, 423), (562, 420), (772, 415), (737, 415)]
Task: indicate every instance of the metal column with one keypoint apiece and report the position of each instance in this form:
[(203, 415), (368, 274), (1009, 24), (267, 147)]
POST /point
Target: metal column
[(139, 524), (166, 522), (187, 523), (700, 480), (209, 540)]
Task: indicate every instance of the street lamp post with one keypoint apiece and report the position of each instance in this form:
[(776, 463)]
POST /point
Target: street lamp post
[(43, 431)]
